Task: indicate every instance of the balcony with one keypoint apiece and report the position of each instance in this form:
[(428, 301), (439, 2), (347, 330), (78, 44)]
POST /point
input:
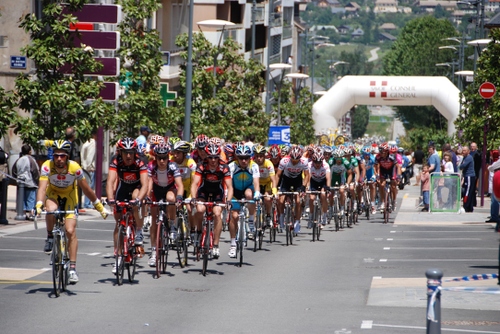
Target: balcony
[(274, 59), (287, 32)]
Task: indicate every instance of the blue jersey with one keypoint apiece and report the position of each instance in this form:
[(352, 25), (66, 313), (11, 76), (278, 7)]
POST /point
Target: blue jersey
[(370, 171)]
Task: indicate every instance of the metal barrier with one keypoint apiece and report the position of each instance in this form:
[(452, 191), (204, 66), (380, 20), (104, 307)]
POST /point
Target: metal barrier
[(445, 192)]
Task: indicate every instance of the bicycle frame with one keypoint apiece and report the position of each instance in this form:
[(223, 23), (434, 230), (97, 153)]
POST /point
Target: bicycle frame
[(289, 214), (207, 235), (127, 252), (317, 212), (241, 236)]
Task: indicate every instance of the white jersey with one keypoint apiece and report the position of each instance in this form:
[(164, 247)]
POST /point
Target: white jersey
[(319, 174), (290, 170)]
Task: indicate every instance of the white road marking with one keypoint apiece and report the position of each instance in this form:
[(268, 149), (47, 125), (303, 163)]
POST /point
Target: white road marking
[(387, 248), (366, 324), (393, 232), (442, 329), (377, 277), (390, 239), (442, 260), (382, 260)]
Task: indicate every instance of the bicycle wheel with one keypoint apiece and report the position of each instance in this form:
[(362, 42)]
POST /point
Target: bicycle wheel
[(181, 243), (314, 221), (287, 224), (132, 253), (336, 218), (258, 229), (57, 272), (205, 242), (159, 248), (348, 211), (120, 258), (386, 208), (65, 262), (241, 240)]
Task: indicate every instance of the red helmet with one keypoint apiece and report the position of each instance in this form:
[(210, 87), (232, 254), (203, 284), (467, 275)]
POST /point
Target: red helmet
[(201, 141), (212, 149), (317, 156), (126, 144), (393, 149), (274, 151)]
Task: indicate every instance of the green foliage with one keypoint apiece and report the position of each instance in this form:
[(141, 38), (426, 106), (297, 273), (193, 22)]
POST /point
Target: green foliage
[(416, 53), (421, 137), (298, 115), (478, 118), (142, 104), (7, 113), (236, 109), (54, 100), (360, 119)]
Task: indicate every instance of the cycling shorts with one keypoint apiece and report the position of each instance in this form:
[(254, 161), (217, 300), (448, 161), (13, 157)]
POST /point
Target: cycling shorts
[(212, 195), (388, 173), (161, 192), (317, 186), (287, 183), (266, 188), (71, 201), (125, 190)]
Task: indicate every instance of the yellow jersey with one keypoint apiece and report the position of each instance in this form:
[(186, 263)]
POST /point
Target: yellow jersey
[(187, 169), (266, 171), (64, 183)]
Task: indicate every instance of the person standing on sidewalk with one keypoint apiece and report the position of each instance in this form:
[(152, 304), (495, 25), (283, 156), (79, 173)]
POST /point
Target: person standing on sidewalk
[(26, 170), (469, 180), (88, 163), (495, 205), (418, 160), (425, 178)]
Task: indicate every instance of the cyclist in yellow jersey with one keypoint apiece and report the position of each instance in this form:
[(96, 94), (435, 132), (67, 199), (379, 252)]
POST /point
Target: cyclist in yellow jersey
[(268, 181), (60, 179), (187, 167)]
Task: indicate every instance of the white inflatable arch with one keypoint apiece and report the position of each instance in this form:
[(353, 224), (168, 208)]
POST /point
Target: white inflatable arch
[(439, 92)]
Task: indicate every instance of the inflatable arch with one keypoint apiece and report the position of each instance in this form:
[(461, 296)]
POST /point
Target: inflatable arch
[(439, 92)]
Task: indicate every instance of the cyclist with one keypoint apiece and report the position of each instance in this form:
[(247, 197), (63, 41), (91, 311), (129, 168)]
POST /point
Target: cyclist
[(295, 174), (199, 153), (187, 168), (369, 162), (386, 167), (60, 178), (164, 182), (338, 178), (268, 182), (245, 175), (127, 181), (352, 167), (210, 180), (320, 181)]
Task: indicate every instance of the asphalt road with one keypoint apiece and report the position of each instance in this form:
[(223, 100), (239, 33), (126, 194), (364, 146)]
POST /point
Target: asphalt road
[(370, 279)]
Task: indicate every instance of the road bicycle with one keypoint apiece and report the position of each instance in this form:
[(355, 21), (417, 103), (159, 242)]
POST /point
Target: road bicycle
[(316, 214), (289, 214), (241, 235), (349, 205), (367, 199), (259, 226), (388, 201), (60, 254), (126, 250), (163, 240), (273, 229), (204, 247), (335, 209)]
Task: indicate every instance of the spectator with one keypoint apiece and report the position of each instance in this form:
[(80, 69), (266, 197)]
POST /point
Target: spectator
[(418, 160), (88, 155), (469, 180), (74, 153), (250, 141), (460, 156), (25, 169), (494, 206), (434, 162), (142, 140), (425, 178), (447, 149), (3, 163)]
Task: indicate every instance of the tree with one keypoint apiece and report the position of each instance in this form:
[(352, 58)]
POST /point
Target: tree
[(55, 100), (298, 115), (360, 118), (7, 113), (236, 108), (416, 53), (142, 103), (478, 117)]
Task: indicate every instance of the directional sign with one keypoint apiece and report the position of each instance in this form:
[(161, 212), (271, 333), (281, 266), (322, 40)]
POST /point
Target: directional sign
[(110, 92), (110, 68), (487, 90), (98, 13), (102, 40)]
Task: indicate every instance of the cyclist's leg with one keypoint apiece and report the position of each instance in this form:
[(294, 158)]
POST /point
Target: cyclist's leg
[(50, 205), (153, 227), (138, 219)]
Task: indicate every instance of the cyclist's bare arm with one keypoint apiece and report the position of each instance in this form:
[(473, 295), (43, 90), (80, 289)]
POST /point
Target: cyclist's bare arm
[(83, 184), (179, 185), (256, 184), (42, 191), (111, 185), (307, 178), (144, 186), (229, 187), (194, 185)]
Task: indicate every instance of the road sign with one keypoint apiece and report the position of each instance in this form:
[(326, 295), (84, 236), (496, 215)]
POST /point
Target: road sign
[(110, 68), (487, 90), (279, 135), (98, 13), (18, 62), (110, 92), (102, 40)]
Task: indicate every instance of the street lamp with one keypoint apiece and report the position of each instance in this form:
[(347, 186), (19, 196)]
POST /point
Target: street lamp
[(297, 80), (186, 132), (313, 43), (478, 45), (334, 70), (452, 65), (282, 67), (215, 24)]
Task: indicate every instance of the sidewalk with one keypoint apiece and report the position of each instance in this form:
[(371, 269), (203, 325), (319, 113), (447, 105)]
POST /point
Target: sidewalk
[(26, 224)]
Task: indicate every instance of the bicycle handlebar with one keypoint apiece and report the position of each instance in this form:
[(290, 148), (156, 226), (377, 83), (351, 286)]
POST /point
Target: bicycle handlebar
[(166, 203), (55, 212)]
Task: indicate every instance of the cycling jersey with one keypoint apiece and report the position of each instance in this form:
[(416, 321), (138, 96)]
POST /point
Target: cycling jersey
[(62, 184), (129, 177), (187, 169), (318, 175), (370, 171), (243, 177), (338, 174), (163, 178), (387, 166), (350, 163), (266, 171), (212, 181), (290, 170)]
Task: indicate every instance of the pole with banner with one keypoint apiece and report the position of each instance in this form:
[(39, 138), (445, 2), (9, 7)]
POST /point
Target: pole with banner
[(279, 135)]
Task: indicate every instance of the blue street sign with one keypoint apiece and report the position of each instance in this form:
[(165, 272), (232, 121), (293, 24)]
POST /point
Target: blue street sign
[(279, 135), (18, 62)]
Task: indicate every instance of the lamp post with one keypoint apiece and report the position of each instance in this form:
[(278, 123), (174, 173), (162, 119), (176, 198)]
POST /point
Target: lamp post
[(333, 69), (297, 80), (186, 133), (452, 65), (282, 67), (313, 42), (215, 24)]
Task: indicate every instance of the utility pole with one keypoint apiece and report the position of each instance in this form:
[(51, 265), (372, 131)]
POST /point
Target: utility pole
[(269, 48)]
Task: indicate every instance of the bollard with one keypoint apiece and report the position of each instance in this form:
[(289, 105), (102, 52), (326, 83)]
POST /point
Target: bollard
[(434, 304), (20, 202), (4, 184)]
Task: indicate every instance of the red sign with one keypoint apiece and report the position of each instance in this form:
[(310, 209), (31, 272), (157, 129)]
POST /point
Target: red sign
[(110, 68), (487, 90), (103, 40), (101, 13)]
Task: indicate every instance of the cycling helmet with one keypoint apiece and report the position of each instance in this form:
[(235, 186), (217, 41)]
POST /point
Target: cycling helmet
[(63, 145), (162, 148), (259, 149), (401, 150), (384, 147), (126, 144), (274, 151), (156, 139), (182, 146), (216, 141), (327, 149), (243, 151), (201, 141), (317, 156), (393, 149), (367, 150), (212, 149), (285, 150), (296, 152), (173, 140), (229, 149)]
